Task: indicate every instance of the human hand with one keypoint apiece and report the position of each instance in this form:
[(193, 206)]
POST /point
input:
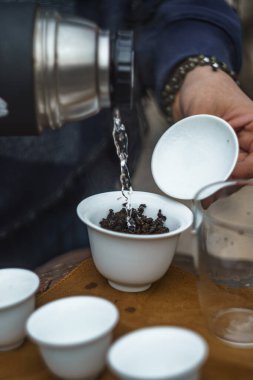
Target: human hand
[(207, 92)]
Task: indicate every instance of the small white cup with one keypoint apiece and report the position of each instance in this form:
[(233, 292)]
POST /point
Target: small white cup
[(17, 301), (158, 353), (130, 262), (74, 334), (194, 152)]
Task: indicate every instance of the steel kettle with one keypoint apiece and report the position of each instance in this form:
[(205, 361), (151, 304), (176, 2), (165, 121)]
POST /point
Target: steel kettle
[(57, 69)]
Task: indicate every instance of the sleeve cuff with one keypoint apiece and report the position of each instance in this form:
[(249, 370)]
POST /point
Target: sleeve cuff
[(188, 38)]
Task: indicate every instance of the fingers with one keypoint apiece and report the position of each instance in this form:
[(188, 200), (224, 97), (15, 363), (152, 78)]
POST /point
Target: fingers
[(244, 167), (245, 139)]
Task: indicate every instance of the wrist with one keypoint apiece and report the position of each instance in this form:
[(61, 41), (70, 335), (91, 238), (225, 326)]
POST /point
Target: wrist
[(200, 93), (190, 73)]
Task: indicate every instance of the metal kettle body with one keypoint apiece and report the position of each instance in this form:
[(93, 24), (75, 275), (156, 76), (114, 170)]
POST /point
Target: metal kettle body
[(56, 69)]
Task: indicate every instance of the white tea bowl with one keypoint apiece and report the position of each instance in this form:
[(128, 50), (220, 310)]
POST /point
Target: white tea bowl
[(17, 301), (74, 334), (132, 262), (194, 152), (158, 353)]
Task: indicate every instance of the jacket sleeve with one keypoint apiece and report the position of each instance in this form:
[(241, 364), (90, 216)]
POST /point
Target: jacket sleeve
[(182, 28)]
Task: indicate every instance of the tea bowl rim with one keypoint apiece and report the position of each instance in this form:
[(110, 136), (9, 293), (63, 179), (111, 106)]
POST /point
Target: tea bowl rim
[(34, 286), (184, 226), (160, 330), (74, 344)]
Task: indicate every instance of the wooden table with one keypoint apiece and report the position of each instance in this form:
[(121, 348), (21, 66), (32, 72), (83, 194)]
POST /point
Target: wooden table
[(170, 301), (55, 269)]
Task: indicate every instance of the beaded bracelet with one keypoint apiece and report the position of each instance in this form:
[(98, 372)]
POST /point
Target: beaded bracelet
[(175, 81)]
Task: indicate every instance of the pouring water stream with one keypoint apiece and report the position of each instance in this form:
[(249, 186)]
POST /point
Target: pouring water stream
[(121, 143)]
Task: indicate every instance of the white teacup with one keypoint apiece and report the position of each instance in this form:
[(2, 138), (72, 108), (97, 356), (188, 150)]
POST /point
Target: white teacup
[(74, 334), (131, 262), (17, 302), (158, 353)]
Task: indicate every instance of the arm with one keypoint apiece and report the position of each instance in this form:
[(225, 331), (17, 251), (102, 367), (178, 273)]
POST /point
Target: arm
[(183, 28), (188, 28)]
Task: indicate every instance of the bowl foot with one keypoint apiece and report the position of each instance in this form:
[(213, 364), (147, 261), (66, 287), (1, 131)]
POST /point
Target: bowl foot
[(12, 346), (129, 288)]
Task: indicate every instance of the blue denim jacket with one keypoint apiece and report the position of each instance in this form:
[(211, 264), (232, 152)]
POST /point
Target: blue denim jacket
[(43, 178)]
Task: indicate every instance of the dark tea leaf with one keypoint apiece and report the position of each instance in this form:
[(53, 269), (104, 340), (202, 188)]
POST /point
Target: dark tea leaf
[(117, 221)]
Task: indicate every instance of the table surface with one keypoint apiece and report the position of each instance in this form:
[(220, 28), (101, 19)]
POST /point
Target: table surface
[(170, 301), (55, 269)]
